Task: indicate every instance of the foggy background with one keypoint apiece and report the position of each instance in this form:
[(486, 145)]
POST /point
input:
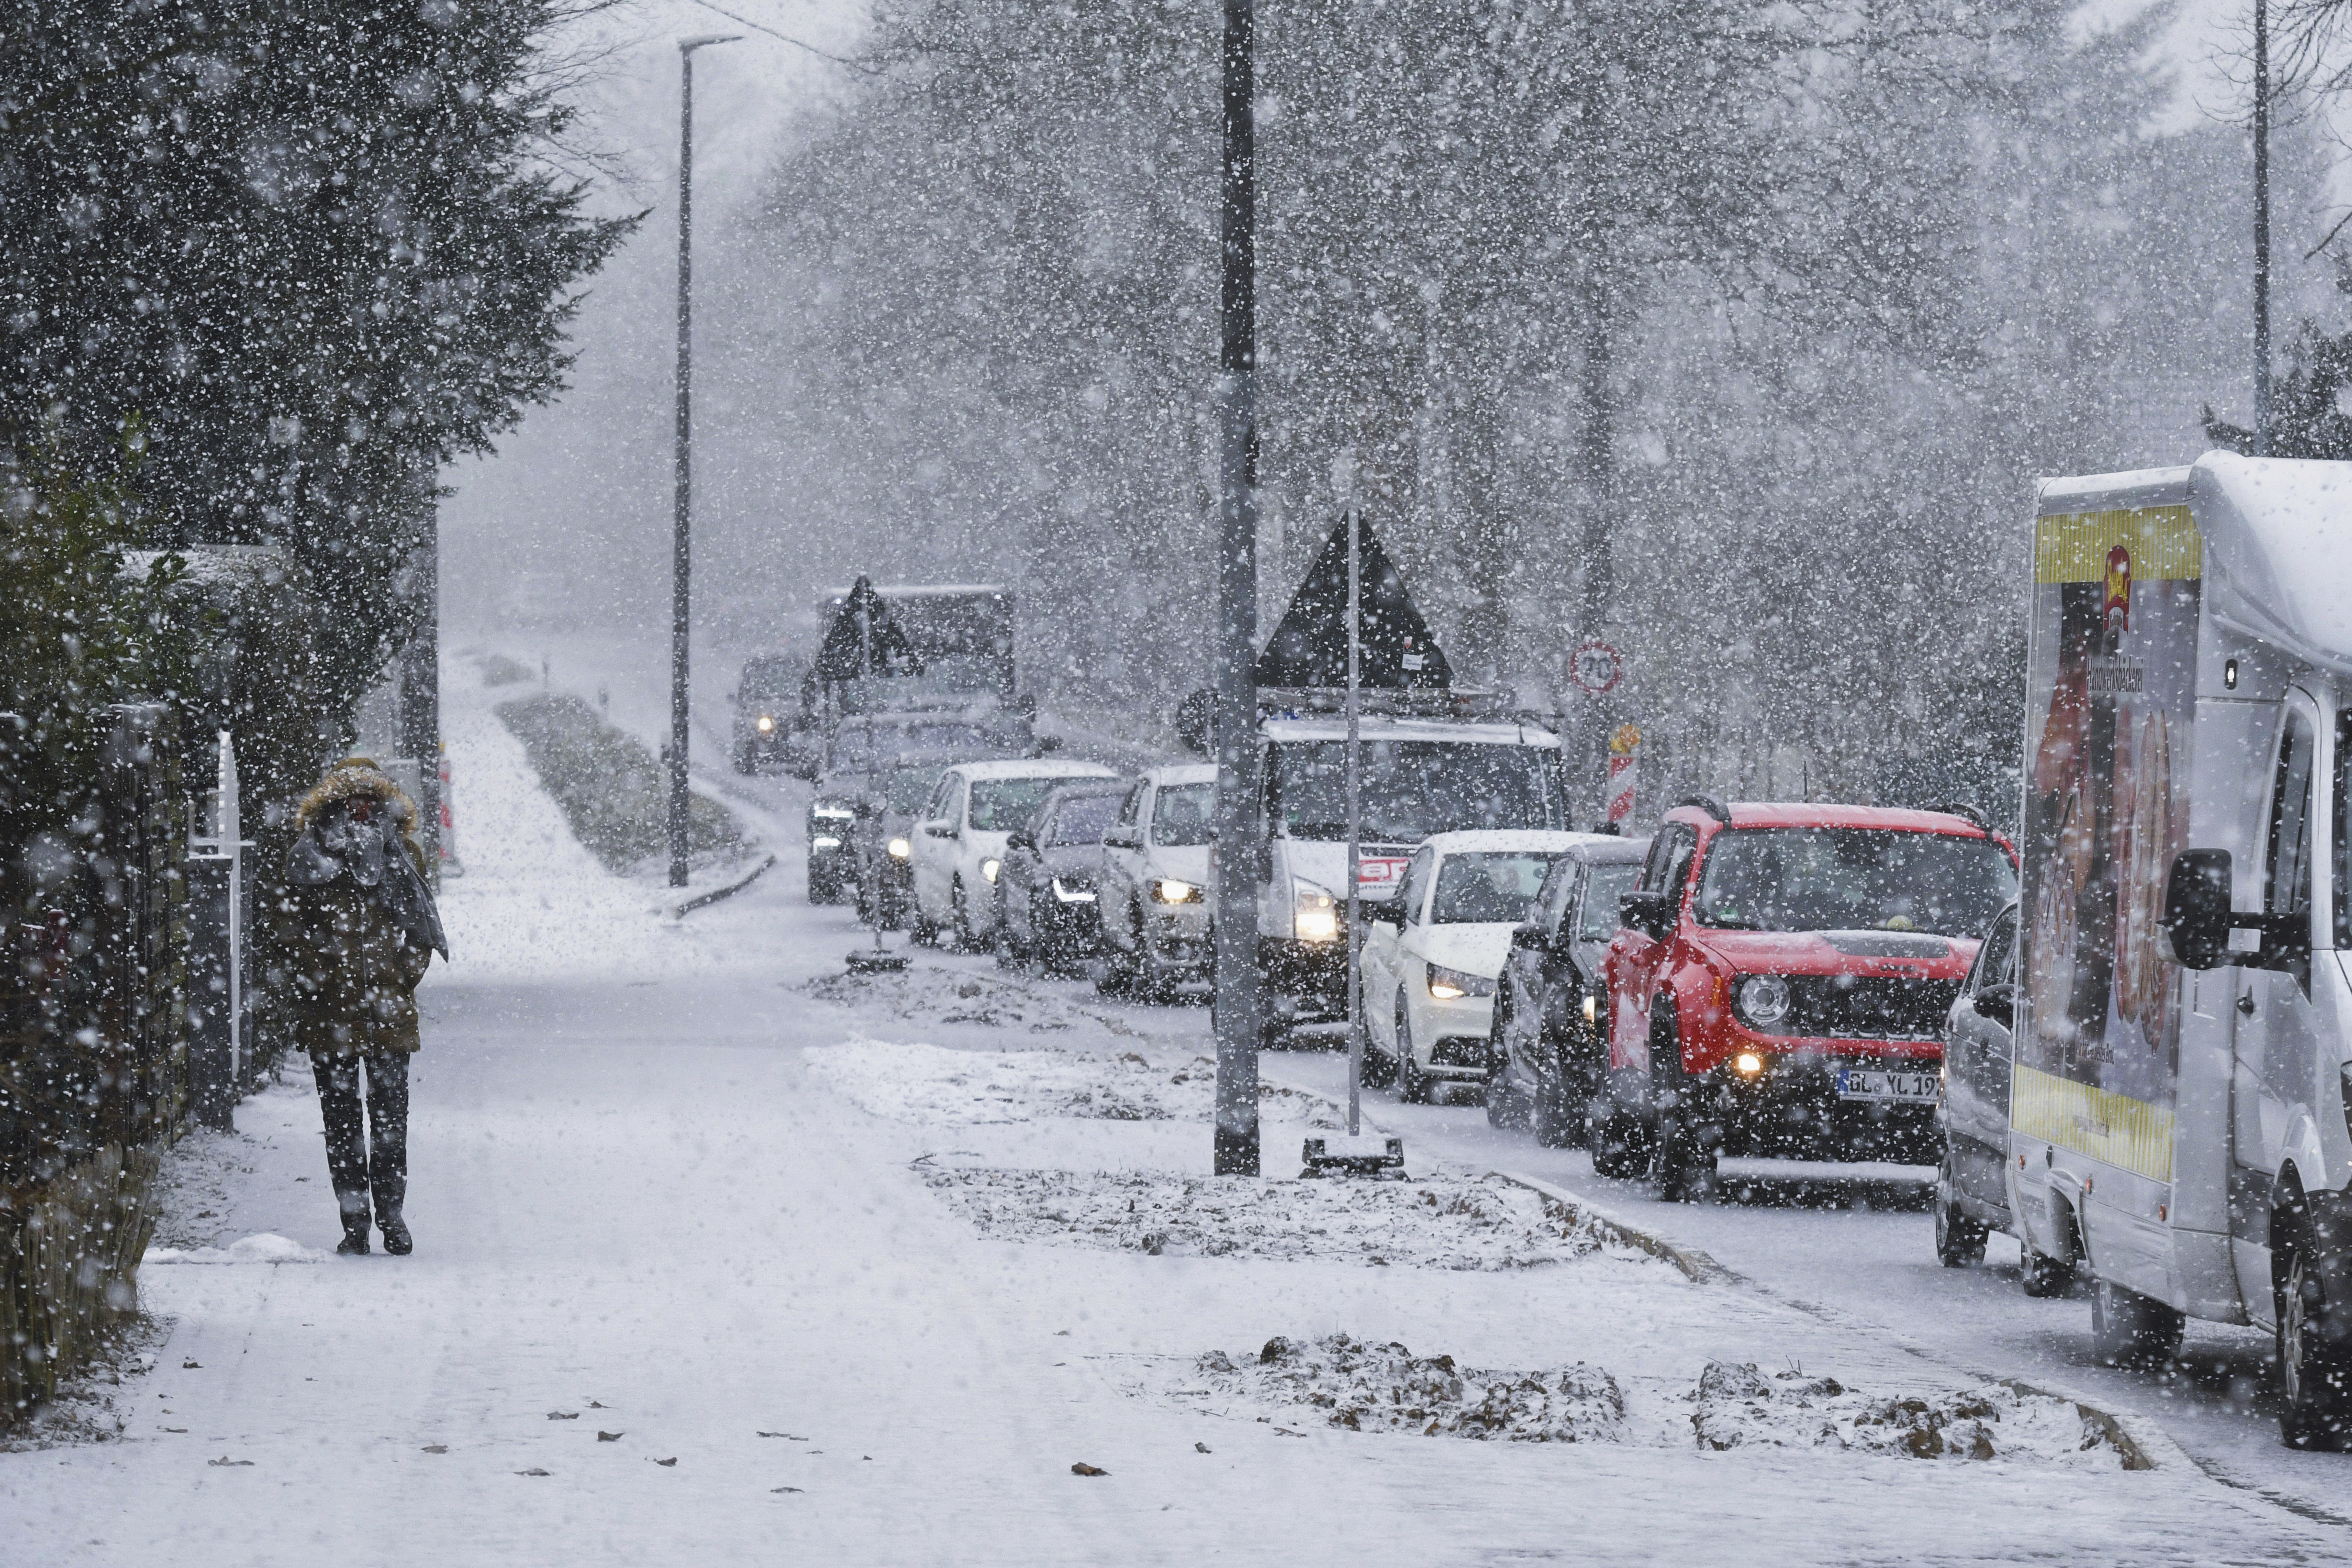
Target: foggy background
[(955, 321)]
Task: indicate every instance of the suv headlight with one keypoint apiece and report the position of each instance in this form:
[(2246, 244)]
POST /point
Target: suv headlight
[(1071, 890), (767, 723), (1763, 1000), (1316, 916), (832, 812), (900, 849), (1450, 985), (1168, 890), (989, 868)]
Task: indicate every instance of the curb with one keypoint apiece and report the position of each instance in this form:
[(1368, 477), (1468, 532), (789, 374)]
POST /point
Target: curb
[(1695, 1266), (2140, 1444), (701, 900)]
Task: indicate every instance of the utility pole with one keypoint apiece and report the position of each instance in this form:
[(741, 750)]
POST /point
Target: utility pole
[(682, 464), (2262, 229), (1239, 795)]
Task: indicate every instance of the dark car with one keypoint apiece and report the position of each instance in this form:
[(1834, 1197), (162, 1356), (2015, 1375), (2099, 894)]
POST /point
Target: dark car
[(772, 715), (882, 835), (1548, 1056), (859, 759), (1972, 1196), (1047, 884)]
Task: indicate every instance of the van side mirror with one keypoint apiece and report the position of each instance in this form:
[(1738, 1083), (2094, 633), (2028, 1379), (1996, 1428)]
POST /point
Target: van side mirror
[(2197, 908), (1649, 912)]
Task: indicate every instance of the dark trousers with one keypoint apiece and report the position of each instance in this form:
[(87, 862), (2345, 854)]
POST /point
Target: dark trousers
[(378, 1159)]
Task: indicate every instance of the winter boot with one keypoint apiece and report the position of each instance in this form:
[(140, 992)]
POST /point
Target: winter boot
[(396, 1239), (355, 1238)]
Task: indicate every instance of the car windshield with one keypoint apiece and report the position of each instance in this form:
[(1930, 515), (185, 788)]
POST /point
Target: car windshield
[(1001, 805), (910, 787), (1496, 887), (1601, 887), (1413, 788), (1852, 879), (1184, 814), (1081, 820)]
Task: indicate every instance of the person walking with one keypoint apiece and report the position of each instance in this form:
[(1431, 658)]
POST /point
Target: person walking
[(355, 928)]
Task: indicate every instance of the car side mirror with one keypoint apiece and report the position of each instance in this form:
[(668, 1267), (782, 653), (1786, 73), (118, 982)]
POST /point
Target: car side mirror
[(938, 829), (1388, 912), (1020, 839), (2197, 908), (1998, 1004), (1528, 938), (1650, 913)]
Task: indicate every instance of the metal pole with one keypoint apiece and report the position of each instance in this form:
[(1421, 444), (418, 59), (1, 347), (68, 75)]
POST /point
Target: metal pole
[(1355, 839), (682, 463), (1239, 803), (2262, 229)]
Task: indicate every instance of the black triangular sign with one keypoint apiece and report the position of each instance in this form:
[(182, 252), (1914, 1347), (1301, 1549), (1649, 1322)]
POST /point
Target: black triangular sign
[(843, 653), (1310, 648)]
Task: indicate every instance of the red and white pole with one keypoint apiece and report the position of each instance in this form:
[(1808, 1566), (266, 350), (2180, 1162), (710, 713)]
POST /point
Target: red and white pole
[(1625, 753)]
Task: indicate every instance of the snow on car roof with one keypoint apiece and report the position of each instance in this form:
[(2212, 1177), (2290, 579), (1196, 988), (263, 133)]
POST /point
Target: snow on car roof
[(1808, 814), (1181, 773), (1490, 841), (1032, 768), (1385, 727)]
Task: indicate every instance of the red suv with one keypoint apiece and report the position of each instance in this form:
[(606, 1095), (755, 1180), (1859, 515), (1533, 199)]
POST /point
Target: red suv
[(1779, 984)]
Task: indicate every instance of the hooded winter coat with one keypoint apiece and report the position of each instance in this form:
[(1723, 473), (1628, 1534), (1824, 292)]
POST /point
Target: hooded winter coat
[(352, 929)]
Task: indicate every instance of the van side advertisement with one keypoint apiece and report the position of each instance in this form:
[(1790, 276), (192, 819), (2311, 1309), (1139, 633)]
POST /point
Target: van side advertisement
[(2110, 717)]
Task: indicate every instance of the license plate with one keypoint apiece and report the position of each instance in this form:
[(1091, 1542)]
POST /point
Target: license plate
[(1877, 1083)]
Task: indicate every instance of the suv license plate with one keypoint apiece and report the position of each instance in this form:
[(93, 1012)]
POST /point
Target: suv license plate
[(1876, 1083)]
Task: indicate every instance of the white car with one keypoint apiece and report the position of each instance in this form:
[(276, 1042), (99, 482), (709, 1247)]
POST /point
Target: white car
[(1155, 883), (959, 840), (1431, 955)]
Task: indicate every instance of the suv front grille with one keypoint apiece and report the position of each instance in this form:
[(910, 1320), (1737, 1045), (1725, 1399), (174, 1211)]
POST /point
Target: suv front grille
[(1866, 1006)]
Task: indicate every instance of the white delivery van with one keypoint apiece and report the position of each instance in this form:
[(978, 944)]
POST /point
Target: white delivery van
[(2180, 1103)]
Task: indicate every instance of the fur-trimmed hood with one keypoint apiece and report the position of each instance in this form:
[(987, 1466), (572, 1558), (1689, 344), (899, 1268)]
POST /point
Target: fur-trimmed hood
[(356, 777)]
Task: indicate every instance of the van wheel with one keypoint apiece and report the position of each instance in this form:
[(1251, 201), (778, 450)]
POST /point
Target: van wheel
[(2041, 1276), (2314, 1370), (2128, 1329)]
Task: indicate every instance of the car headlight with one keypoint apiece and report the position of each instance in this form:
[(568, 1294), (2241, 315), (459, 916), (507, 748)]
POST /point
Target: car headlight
[(1450, 985), (900, 849), (1316, 917), (832, 813), (1763, 1000), (767, 724), (824, 841), (990, 868), (1168, 890), (1073, 891)]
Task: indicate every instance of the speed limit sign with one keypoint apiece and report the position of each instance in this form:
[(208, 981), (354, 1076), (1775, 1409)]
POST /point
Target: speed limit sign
[(1595, 666)]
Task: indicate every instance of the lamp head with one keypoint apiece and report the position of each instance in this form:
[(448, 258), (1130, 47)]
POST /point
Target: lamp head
[(688, 45)]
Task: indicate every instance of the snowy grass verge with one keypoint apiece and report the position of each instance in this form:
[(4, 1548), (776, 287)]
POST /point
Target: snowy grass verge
[(926, 995), (933, 1084), (1443, 1222), (1339, 1381), (611, 789)]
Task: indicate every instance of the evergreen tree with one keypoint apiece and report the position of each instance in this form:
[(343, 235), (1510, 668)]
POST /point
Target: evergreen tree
[(314, 249)]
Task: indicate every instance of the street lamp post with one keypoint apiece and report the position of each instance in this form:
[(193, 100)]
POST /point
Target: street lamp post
[(1239, 845), (2262, 229), (682, 464)]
